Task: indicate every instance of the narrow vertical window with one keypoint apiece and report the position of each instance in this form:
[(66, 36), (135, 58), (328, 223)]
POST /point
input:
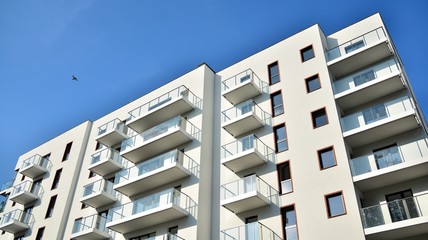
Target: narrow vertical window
[(56, 179), (273, 73), (312, 83), (319, 118), (98, 146), (277, 105), (51, 207), (289, 223), (40, 232), (284, 177), (307, 53), (91, 174), (173, 231), (326, 158), (67, 151), (281, 142), (335, 205)]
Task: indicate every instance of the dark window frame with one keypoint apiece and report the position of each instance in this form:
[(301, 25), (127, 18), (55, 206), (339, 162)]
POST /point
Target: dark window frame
[(51, 207), (279, 168), (269, 73), (328, 210), (304, 50), (273, 107), (312, 78), (320, 160), (67, 151), (275, 128), (317, 113)]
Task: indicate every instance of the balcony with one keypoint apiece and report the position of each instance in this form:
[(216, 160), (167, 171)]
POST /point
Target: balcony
[(254, 230), (367, 85), (112, 133), (26, 192), (16, 221), (379, 122), (246, 194), (158, 171), (243, 86), (154, 141), (90, 228), (398, 219), (35, 166), (358, 53), (245, 153), (173, 103), (99, 193), (167, 236), (243, 118), (149, 211), (6, 187), (390, 165), (106, 162)]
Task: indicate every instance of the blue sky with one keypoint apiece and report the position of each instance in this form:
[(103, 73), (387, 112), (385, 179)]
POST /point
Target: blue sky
[(121, 50)]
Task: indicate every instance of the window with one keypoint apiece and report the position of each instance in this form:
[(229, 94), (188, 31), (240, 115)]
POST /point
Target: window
[(67, 151), (326, 158), (281, 143), (402, 205), (364, 77), (273, 73), (284, 177), (277, 106), (51, 206), (387, 156), (288, 217), (319, 118), (92, 174), (354, 46), (83, 206), (22, 178), (335, 205), (98, 146), (374, 113), (56, 179), (40, 232), (172, 232), (145, 236), (307, 53), (312, 83)]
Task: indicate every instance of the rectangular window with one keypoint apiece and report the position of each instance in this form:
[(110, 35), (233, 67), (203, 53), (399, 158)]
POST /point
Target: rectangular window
[(364, 77), (326, 158), (284, 177), (402, 205), (98, 146), (354, 46), (45, 160), (92, 174), (307, 53), (145, 236), (281, 143), (374, 113), (173, 230), (51, 206), (83, 206), (312, 83), (277, 105), (289, 222), (335, 205), (40, 232), (387, 156), (319, 118), (273, 73), (56, 179), (67, 151)]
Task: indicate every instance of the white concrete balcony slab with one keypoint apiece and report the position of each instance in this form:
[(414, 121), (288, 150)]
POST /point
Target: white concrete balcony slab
[(158, 171), (112, 133), (6, 187), (399, 219), (369, 84), (246, 194), (35, 166), (107, 161), (163, 137), (16, 221), (379, 121), (254, 230), (358, 53), (26, 192), (99, 193), (242, 86), (398, 163), (243, 118), (151, 210), (90, 228), (173, 103), (245, 153)]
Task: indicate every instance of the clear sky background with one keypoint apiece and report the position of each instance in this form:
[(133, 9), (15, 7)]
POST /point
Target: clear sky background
[(121, 50)]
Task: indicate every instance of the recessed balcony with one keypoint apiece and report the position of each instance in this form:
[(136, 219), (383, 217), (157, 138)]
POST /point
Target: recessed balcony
[(379, 121), (106, 162), (35, 166), (99, 193), (390, 165), (246, 194), (254, 230), (243, 118), (151, 210), (158, 171), (399, 219), (173, 103), (245, 153), (26, 192), (112, 133), (16, 221), (358, 53), (243, 86), (90, 228), (369, 84), (154, 141)]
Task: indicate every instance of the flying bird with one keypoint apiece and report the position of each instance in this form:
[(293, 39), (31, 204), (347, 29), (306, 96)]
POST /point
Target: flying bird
[(74, 78)]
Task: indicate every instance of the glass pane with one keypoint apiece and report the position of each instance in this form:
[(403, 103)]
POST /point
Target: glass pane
[(277, 104), (313, 84), (327, 158), (307, 53), (364, 77), (387, 157), (335, 205), (354, 46)]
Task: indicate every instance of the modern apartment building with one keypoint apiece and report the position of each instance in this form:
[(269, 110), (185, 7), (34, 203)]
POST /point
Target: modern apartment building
[(314, 137)]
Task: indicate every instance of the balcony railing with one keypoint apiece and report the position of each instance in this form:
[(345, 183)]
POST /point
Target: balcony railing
[(378, 71), (90, 223), (242, 109), (367, 39), (395, 211), (255, 230), (389, 157), (16, 221), (99, 186), (246, 185), (107, 161), (115, 124), (376, 113), (26, 192), (42, 163), (7, 185)]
